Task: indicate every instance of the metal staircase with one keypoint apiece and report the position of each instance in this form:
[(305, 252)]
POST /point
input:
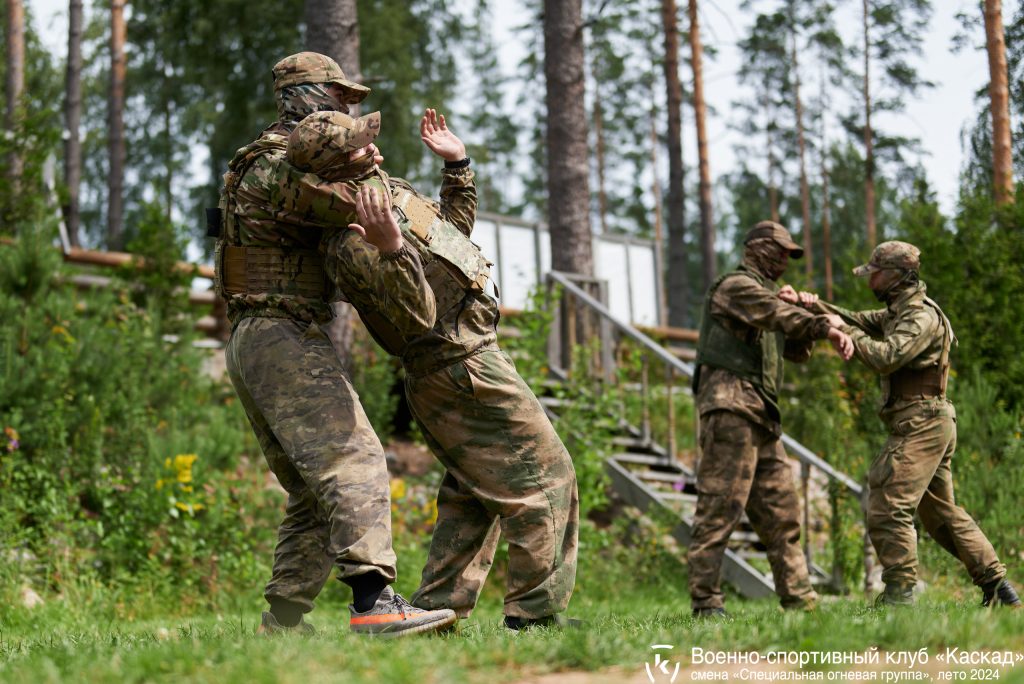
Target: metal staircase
[(648, 470)]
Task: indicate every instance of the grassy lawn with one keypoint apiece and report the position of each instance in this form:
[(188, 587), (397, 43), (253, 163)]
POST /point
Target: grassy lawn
[(81, 639)]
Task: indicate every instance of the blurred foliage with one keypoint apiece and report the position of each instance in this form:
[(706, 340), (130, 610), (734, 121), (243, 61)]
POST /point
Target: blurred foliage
[(122, 454)]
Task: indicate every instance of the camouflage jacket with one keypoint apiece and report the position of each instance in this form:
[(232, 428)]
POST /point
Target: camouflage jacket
[(745, 308), (911, 332), (466, 321), (278, 205)]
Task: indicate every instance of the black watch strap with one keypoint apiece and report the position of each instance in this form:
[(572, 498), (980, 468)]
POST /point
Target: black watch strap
[(461, 164)]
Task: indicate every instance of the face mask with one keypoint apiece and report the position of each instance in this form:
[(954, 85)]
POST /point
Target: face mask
[(887, 291), (348, 169), (768, 257), (294, 103)]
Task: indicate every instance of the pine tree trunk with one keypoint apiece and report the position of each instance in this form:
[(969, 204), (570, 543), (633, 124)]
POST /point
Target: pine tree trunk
[(602, 194), (707, 225), (805, 194), (115, 197), (869, 153), (659, 219), (567, 154), (678, 285), (773, 191), (998, 90), (332, 29), (826, 226), (15, 56), (826, 204), (72, 122)]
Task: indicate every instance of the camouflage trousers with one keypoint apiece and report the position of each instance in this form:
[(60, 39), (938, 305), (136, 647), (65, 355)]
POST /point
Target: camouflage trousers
[(318, 442), (912, 473), (505, 468), (743, 467)]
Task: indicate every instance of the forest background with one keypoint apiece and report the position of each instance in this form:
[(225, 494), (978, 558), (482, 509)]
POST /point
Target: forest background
[(127, 472)]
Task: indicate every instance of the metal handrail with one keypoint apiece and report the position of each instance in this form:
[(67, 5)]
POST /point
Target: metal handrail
[(802, 453)]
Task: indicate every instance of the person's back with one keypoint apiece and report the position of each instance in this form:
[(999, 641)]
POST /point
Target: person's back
[(311, 428)]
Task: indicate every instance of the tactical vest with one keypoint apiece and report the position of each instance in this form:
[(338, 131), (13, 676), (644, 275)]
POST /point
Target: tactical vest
[(244, 269), (929, 382), (757, 359), (453, 264)]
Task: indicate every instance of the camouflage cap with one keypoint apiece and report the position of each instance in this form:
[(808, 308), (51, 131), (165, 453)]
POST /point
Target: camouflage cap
[(893, 254), (324, 139), (312, 67), (774, 231)]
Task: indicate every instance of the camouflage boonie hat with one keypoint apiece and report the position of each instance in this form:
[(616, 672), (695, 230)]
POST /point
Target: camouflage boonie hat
[(774, 231), (893, 254), (325, 139), (312, 67)]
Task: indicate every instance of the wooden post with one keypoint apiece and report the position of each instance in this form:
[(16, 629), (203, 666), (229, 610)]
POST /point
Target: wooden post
[(670, 377)]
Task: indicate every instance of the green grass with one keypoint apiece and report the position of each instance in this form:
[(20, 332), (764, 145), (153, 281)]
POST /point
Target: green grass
[(70, 641)]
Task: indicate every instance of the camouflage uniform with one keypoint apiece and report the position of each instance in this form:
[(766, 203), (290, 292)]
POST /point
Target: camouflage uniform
[(746, 332), (907, 344), (504, 461), (301, 405)]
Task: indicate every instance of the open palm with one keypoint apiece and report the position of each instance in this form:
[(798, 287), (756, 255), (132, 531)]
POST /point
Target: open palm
[(435, 134)]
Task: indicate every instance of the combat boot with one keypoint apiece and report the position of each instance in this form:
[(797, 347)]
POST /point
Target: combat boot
[(518, 624), (801, 605), (896, 594), (269, 626), (710, 613), (1000, 592), (393, 616)]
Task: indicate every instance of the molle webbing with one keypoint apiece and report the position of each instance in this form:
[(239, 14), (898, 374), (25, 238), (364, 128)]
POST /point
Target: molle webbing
[(422, 214), (440, 239), (272, 270), (922, 382)]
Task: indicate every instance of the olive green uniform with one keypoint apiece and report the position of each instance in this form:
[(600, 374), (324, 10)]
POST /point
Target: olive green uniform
[(746, 332), (503, 459), (301, 405), (908, 345)]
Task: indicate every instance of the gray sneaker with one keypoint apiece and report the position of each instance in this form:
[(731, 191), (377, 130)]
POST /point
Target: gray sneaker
[(393, 616), (269, 626)]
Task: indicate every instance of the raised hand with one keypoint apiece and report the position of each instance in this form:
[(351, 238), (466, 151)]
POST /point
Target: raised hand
[(377, 225), (435, 134)]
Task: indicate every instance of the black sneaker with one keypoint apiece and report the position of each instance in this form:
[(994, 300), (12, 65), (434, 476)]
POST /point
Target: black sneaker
[(518, 624), (1000, 592), (393, 616), (269, 626), (710, 613)]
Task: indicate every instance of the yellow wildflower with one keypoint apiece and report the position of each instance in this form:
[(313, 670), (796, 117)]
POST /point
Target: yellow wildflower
[(398, 488), (184, 461)]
